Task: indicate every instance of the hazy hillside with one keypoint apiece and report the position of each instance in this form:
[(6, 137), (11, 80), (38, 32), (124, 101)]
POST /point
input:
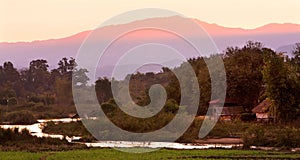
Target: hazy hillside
[(288, 49), (271, 35)]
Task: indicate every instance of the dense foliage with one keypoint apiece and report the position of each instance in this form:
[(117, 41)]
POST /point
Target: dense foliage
[(12, 140), (253, 73)]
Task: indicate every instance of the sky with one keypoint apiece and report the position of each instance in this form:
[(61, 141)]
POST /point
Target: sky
[(31, 20)]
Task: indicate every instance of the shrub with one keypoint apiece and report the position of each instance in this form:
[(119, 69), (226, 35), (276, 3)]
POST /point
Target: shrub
[(255, 135), (260, 135), (108, 107), (12, 140), (39, 107), (171, 106), (21, 117)]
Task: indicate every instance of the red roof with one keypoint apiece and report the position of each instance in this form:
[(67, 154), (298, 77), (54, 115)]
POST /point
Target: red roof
[(263, 107)]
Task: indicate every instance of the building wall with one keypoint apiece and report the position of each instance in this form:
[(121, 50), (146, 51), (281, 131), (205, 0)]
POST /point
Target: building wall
[(262, 115)]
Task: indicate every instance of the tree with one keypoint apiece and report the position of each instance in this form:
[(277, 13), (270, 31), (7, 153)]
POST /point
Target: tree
[(173, 89), (64, 77), (10, 74), (243, 70), (7, 96), (37, 76), (171, 106), (295, 62), (103, 90), (10, 78), (200, 67), (63, 88), (79, 77), (54, 74), (296, 59), (66, 66), (281, 86)]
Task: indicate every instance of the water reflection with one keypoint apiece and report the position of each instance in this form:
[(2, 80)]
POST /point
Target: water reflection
[(37, 130), (170, 145)]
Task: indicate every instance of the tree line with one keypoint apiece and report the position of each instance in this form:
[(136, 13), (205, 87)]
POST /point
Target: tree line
[(39, 84), (253, 73)]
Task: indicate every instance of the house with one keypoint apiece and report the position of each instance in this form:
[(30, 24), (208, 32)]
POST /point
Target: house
[(227, 110), (262, 110)]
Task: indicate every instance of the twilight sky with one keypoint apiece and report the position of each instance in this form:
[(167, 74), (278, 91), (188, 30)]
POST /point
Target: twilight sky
[(31, 20)]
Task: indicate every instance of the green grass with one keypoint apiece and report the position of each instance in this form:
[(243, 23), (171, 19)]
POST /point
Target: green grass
[(112, 154), (20, 156)]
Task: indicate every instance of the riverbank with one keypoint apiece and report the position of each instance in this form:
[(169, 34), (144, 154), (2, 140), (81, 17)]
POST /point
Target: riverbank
[(35, 132), (219, 141), (236, 132), (224, 135), (36, 129)]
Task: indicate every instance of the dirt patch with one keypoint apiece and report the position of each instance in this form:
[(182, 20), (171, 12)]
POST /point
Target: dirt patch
[(220, 141)]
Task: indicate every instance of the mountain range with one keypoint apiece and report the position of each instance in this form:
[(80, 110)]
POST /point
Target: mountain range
[(279, 37)]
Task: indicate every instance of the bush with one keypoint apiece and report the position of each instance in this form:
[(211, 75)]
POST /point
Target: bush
[(171, 106), (12, 140), (234, 129), (67, 129), (255, 136), (192, 132), (21, 118), (270, 136), (39, 107), (108, 107)]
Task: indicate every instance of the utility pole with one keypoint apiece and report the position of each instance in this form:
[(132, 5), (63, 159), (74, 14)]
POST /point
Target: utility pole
[(7, 105), (7, 102)]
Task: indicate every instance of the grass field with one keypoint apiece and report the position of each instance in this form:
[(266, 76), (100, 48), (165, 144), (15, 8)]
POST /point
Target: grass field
[(111, 154)]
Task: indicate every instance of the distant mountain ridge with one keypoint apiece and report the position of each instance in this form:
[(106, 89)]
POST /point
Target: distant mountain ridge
[(272, 35), (217, 30), (287, 49)]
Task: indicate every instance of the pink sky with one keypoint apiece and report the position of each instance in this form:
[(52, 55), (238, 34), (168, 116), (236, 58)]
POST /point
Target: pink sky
[(37, 20)]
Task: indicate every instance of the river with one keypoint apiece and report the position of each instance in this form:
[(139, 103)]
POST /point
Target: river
[(37, 130)]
